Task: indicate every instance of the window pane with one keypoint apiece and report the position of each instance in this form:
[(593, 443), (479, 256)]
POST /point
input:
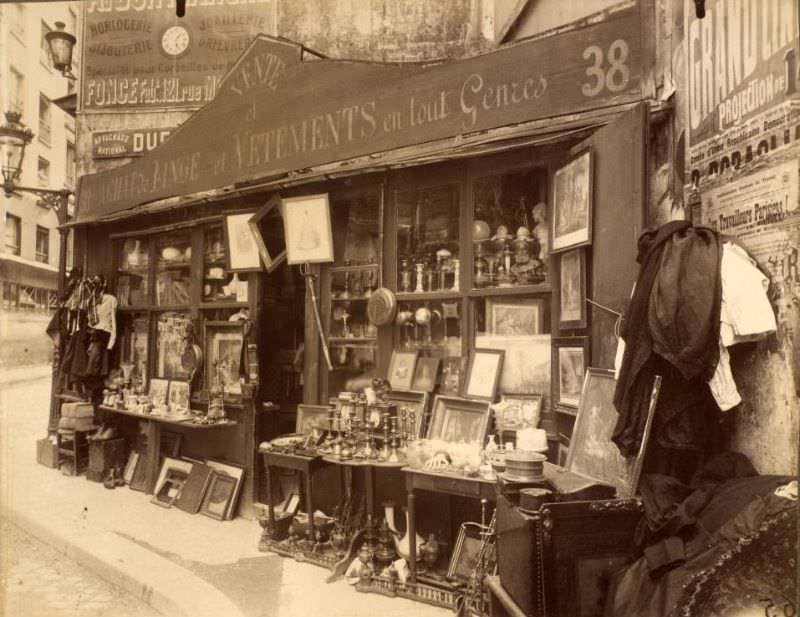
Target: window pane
[(44, 171), (45, 56), (45, 110), (171, 339), (42, 244), (13, 234), (17, 91), (173, 269), (134, 334)]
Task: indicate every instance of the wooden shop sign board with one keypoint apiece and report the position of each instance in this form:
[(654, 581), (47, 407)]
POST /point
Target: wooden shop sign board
[(126, 142)]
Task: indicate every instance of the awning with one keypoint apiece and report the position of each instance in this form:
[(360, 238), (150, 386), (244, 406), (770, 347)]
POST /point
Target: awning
[(281, 118), (28, 274)]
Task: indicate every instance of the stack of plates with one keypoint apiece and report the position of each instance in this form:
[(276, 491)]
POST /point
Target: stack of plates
[(522, 466)]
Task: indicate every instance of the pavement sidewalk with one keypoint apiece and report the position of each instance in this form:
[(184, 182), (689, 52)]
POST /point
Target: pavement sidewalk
[(180, 564)]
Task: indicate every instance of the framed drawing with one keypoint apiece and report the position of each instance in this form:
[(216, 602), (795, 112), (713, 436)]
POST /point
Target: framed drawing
[(170, 490), (572, 290), (219, 495), (467, 551), (483, 374), (415, 402), (179, 396), (223, 340), (307, 228), (452, 375), (591, 451), (425, 374), (236, 472), (514, 317), (269, 233), (401, 369), (309, 416), (572, 203), (526, 364), (242, 254), (459, 420), (570, 356), (158, 392), (168, 465), (518, 411)]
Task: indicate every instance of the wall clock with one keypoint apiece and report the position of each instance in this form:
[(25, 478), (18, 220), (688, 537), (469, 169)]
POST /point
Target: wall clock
[(175, 41)]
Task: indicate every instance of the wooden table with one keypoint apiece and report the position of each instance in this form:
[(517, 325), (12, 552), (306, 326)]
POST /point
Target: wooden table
[(449, 484), (369, 468), (154, 425)]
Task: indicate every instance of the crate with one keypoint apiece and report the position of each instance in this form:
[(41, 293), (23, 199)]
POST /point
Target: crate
[(47, 453), (106, 454)]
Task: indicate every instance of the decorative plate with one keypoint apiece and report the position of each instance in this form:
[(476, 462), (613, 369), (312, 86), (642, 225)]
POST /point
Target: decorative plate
[(381, 306)]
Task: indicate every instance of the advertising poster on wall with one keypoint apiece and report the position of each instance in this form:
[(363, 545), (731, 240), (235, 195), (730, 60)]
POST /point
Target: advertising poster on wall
[(138, 54), (742, 78)]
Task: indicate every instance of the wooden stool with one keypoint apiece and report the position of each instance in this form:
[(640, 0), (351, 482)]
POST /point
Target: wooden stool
[(73, 447)]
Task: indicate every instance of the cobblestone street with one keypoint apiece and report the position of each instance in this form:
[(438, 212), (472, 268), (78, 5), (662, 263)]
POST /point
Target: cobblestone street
[(38, 581)]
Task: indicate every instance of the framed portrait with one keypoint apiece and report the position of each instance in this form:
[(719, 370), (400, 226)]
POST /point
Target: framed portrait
[(591, 452), (218, 495), (242, 254), (518, 411), (458, 420), (572, 203), (179, 396), (570, 357), (307, 228), (466, 553), (483, 374), (309, 416), (223, 341), (425, 374), (416, 402), (453, 368), (158, 391), (514, 317), (236, 472), (526, 364), (401, 369), (170, 490), (572, 290), (269, 233)]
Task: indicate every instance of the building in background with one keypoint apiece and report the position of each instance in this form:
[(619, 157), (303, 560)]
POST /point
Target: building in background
[(29, 252)]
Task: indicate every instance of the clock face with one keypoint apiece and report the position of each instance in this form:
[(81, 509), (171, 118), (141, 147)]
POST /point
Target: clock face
[(175, 40)]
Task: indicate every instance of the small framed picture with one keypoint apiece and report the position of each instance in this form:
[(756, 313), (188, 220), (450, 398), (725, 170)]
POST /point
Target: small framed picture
[(179, 396), (458, 420), (572, 290), (309, 416), (307, 228), (453, 368), (572, 203), (467, 551), (218, 496), (415, 402), (242, 254), (269, 232), (230, 470), (158, 390), (569, 362), (223, 340), (483, 374), (401, 369), (130, 467), (518, 411), (425, 374), (514, 317)]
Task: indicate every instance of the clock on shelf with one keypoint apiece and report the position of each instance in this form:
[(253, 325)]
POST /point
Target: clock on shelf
[(175, 41)]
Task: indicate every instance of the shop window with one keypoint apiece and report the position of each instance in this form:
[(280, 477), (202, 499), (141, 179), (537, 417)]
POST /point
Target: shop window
[(510, 230), (13, 234), (133, 344), (172, 329), (43, 171), (428, 240), (173, 269), (132, 274), (219, 285), (44, 49), (42, 244), (45, 116)]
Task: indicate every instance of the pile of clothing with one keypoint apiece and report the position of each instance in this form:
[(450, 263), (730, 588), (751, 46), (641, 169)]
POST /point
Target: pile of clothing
[(696, 295)]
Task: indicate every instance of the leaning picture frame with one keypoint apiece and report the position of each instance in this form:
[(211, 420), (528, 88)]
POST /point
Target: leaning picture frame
[(269, 232), (519, 411), (425, 373), (218, 496), (454, 420), (307, 228), (571, 222), (414, 401), (570, 357), (514, 317), (572, 290), (467, 551), (242, 254), (592, 452), (223, 351), (401, 369), (310, 417), (483, 374)]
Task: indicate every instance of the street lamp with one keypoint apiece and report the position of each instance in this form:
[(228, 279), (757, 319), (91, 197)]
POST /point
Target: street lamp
[(61, 43)]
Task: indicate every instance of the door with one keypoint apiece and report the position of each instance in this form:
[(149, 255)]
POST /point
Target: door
[(620, 189)]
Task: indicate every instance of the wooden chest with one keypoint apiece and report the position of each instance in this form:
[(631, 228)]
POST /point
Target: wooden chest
[(557, 561), (47, 453), (106, 454)]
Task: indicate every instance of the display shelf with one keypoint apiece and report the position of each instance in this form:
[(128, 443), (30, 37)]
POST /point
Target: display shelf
[(364, 341), (516, 290), (352, 299), (411, 296), (358, 268)]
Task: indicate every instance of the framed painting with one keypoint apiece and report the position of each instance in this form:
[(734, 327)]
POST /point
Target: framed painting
[(242, 254), (518, 411), (572, 203), (416, 403), (158, 391), (509, 317), (483, 374), (467, 552), (459, 420), (307, 229), (310, 416), (425, 374), (269, 233), (452, 375), (179, 396), (572, 290), (219, 495), (401, 369), (230, 470), (223, 341), (591, 452), (570, 357)]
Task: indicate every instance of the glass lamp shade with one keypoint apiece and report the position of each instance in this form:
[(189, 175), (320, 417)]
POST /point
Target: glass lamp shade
[(61, 43), (14, 137)]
